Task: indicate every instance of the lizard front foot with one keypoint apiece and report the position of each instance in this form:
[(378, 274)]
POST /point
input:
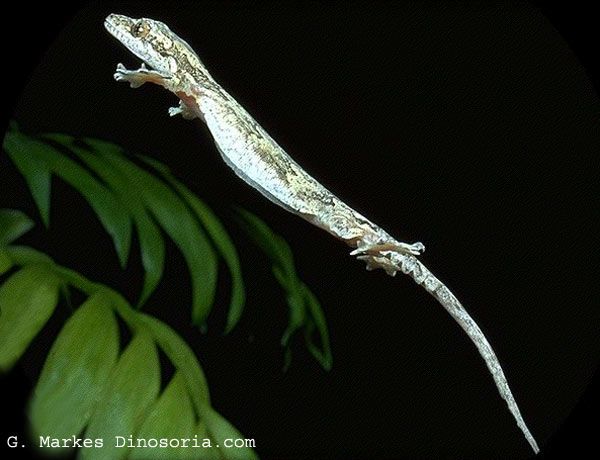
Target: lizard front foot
[(137, 78), (184, 110)]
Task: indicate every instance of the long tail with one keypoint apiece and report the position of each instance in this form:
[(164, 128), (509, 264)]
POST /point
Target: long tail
[(411, 266)]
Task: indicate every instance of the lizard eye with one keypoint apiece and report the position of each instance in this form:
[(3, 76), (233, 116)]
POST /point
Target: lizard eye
[(140, 29)]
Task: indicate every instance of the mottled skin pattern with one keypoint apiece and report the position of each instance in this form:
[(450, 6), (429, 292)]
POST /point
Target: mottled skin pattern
[(254, 156), (245, 146)]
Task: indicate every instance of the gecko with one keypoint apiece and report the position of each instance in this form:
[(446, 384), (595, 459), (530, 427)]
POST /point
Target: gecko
[(263, 164)]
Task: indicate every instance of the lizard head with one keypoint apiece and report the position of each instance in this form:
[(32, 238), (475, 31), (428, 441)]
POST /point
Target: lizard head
[(150, 40)]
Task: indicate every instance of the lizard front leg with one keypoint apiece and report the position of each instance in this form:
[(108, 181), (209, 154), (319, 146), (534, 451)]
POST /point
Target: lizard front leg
[(137, 78)]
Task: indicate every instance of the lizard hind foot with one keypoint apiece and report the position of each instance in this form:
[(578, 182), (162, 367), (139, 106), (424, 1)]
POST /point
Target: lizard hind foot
[(379, 255), (414, 248), (374, 262)]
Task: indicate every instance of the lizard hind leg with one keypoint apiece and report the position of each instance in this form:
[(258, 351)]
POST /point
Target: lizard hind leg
[(396, 246), (378, 255), (374, 262)]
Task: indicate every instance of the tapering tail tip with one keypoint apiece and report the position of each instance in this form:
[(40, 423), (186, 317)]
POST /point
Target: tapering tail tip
[(410, 265), (534, 445)]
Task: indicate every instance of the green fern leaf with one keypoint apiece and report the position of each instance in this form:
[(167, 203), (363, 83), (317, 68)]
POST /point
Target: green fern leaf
[(76, 370)]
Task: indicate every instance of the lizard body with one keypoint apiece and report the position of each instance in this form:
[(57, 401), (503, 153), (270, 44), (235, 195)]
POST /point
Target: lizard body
[(255, 157)]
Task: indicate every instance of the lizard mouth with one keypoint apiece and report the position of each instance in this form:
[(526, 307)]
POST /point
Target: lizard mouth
[(114, 25), (118, 26), (111, 25)]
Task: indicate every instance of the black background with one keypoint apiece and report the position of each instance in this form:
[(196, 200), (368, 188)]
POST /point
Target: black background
[(471, 127)]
